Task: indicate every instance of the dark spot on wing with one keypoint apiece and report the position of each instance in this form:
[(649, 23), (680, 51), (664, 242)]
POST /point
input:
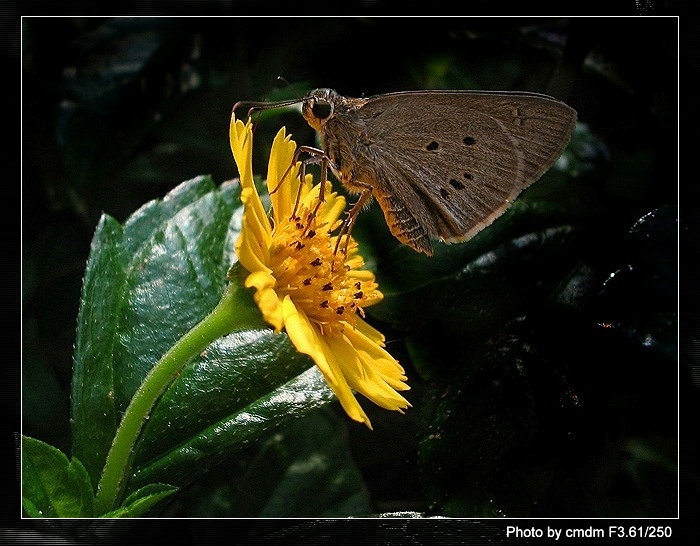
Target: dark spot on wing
[(432, 146), (469, 140), (456, 184), (445, 194)]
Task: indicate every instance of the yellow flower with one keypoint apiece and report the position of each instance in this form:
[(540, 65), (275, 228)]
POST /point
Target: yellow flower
[(303, 286)]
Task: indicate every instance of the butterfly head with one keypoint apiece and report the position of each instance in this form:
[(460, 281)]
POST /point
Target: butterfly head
[(318, 107)]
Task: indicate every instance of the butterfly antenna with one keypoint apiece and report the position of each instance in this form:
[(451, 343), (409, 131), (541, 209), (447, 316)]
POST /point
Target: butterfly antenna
[(265, 104), (290, 86)]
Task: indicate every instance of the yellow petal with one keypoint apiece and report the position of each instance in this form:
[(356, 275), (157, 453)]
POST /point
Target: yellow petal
[(253, 243), (375, 373), (250, 254), (266, 297), (360, 375), (241, 139), (370, 332), (333, 208), (308, 340), (369, 344), (283, 192)]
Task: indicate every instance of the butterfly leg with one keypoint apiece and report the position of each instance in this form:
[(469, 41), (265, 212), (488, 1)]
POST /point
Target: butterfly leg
[(317, 156), (353, 213)]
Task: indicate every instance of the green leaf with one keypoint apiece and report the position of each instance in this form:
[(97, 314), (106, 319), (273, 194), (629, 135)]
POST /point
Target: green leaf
[(320, 478), (53, 486), (141, 501), (252, 410), (146, 283), (303, 470), (485, 451), (458, 292), (93, 410)]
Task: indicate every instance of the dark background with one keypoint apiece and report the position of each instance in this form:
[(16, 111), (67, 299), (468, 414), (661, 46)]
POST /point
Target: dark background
[(117, 112)]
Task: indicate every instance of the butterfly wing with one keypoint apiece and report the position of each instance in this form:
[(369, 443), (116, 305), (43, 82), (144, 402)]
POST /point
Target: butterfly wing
[(452, 162)]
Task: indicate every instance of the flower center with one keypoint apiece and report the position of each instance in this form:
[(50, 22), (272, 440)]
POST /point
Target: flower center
[(326, 284)]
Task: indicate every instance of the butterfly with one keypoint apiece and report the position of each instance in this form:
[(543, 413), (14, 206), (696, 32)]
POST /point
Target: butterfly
[(440, 164)]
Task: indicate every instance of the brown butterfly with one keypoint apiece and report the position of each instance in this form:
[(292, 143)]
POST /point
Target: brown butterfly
[(441, 164)]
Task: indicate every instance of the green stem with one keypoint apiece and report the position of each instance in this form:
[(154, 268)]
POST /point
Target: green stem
[(224, 319)]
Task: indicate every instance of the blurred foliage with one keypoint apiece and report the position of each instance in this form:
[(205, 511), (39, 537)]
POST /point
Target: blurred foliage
[(542, 355)]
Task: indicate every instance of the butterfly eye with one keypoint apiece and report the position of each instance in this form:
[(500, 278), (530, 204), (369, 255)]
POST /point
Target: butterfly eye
[(321, 109)]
